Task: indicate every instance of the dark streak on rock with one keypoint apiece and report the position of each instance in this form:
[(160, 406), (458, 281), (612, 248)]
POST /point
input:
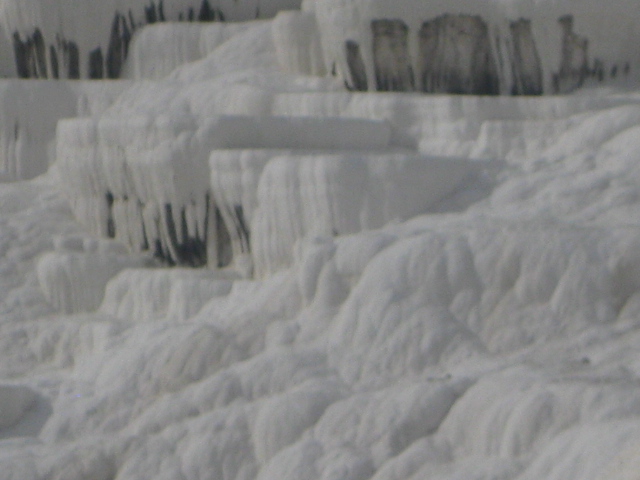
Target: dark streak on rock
[(118, 46), (74, 60), (111, 225), (242, 229), (171, 230), (356, 67), (20, 55), (206, 14), (525, 61), (150, 13), (574, 58), (192, 251), (127, 35), (159, 253), (598, 70), (177, 249), (30, 55), (209, 14), (39, 53), (161, 16), (223, 241), (55, 69), (144, 246), (70, 57), (391, 56), (456, 57), (96, 64)]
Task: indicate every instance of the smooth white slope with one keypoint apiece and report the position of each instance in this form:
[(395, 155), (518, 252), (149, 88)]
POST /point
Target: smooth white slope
[(153, 56), (447, 312)]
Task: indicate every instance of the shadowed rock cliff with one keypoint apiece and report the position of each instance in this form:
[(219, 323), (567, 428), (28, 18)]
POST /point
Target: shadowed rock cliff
[(456, 57), (102, 42), (479, 48)]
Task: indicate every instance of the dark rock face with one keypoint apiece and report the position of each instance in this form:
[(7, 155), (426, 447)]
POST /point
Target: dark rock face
[(461, 54), (111, 226), (118, 46), (33, 58), (168, 238), (110, 66), (232, 234), (224, 253), (456, 57), (39, 53), (183, 249), (206, 14), (71, 58), (96, 63), (356, 67), (574, 66), (525, 61), (242, 228), (150, 13), (55, 71), (391, 59), (20, 53), (30, 55)]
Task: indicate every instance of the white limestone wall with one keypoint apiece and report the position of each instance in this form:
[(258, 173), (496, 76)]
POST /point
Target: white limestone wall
[(29, 112)]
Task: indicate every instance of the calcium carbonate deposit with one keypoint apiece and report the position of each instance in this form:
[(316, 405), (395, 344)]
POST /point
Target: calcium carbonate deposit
[(290, 249)]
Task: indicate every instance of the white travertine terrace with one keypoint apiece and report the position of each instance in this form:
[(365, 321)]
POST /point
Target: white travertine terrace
[(391, 285)]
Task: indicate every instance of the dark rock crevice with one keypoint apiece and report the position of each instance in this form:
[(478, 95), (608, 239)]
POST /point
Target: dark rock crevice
[(242, 229), (209, 14), (456, 56), (224, 253), (20, 53), (55, 69), (183, 249), (30, 55), (39, 54), (574, 63), (461, 54), (96, 63), (392, 63), (525, 61), (111, 225), (118, 46), (169, 238), (356, 67), (70, 58), (151, 13), (33, 59)]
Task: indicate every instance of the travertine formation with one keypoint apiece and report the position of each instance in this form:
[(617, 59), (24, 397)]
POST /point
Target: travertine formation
[(456, 55), (486, 47), (92, 40)]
